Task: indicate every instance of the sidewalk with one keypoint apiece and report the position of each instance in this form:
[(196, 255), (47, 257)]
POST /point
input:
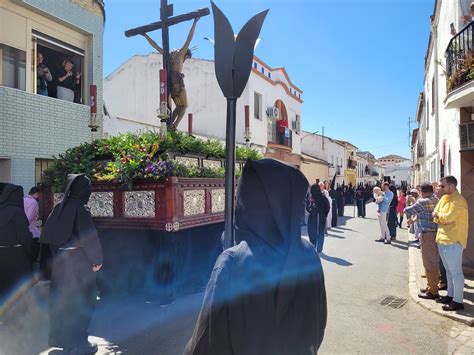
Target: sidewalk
[(415, 282)]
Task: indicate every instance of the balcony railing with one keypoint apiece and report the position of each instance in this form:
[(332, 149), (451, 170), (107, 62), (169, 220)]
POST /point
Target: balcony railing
[(459, 58), (351, 164), (279, 135), (466, 136)]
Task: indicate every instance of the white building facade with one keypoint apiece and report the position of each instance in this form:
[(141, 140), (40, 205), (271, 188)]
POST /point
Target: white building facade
[(446, 106), (327, 150), (131, 94)]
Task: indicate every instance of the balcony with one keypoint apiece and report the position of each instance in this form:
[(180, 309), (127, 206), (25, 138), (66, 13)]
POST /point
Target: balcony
[(460, 69), (466, 136), (351, 164), (279, 137)]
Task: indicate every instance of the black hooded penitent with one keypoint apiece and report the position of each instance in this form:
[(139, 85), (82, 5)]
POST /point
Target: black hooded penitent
[(15, 240), (72, 236), (266, 295)]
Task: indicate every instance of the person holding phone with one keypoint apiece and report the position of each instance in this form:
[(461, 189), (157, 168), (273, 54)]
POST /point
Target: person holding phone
[(68, 82), (43, 75)]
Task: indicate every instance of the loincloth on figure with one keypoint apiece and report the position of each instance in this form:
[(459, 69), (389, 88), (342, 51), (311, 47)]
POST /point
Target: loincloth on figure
[(177, 83)]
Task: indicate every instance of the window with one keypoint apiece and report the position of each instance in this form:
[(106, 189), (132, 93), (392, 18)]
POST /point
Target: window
[(255, 65), (40, 166), (52, 59), (257, 105), (263, 70), (433, 95), (13, 67), (5, 170)]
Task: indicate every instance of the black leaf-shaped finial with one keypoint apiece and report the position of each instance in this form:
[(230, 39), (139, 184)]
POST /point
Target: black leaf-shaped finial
[(233, 57)]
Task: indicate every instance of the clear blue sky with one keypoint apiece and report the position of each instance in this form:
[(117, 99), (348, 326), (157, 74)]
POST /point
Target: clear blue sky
[(359, 62)]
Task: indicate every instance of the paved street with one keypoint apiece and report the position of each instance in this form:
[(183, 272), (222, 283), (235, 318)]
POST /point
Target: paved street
[(359, 274)]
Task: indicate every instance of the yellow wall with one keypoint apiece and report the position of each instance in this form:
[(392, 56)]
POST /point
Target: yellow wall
[(313, 170), (351, 174)]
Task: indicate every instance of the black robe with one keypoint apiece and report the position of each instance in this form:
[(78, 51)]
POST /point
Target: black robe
[(340, 201), (318, 207), (333, 195), (16, 241), (73, 238), (266, 295), (360, 200), (392, 222)]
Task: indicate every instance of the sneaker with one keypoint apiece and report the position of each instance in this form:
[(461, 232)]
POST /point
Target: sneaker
[(428, 296), (380, 240), (453, 306), (387, 242), (444, 300)]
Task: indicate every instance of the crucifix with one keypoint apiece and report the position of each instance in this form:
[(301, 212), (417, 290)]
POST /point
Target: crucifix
[(172, 62)]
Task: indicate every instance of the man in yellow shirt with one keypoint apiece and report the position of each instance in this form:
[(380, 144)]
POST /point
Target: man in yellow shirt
[(451, 215)]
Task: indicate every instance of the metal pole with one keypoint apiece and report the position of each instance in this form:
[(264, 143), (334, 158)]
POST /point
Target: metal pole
[(166, 51), (230, 173)]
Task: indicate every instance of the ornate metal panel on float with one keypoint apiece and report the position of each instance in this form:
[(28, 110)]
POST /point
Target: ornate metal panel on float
[(166, 205)]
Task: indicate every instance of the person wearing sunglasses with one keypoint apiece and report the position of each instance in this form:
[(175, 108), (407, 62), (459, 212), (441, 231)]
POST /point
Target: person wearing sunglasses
[(452, 216)]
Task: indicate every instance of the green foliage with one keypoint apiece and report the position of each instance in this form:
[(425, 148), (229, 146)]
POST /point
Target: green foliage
[(129, 157), (245, 154)]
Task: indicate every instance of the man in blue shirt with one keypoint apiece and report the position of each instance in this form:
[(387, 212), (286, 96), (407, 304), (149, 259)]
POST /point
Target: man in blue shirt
[(382, 213)]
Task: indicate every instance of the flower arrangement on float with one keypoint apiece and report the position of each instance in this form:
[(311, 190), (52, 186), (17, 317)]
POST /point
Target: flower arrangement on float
[(130, 157)]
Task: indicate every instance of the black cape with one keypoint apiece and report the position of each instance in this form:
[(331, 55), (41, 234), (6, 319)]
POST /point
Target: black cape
[(15, 240), (266, 295), (73, 238)]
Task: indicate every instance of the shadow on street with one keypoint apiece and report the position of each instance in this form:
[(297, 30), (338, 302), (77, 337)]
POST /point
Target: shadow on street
[(335, 260)]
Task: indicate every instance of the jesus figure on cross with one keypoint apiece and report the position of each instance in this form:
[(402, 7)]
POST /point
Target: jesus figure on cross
[(177, 90)]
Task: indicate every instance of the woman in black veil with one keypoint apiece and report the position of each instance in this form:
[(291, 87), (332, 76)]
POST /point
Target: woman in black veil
[(77, 256), (16, 241)]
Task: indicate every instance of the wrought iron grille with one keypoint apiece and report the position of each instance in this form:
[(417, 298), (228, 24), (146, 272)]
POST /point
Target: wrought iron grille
[(420, 149), (466, 136), (279, 135)]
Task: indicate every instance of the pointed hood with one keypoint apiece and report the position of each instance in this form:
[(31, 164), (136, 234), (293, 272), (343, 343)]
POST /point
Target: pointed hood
[(268, 212)]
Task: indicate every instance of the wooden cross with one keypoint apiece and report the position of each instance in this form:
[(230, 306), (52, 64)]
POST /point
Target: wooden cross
[(166, 13)]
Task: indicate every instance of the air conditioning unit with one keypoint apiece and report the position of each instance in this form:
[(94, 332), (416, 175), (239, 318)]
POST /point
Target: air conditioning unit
[(273, 112)]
